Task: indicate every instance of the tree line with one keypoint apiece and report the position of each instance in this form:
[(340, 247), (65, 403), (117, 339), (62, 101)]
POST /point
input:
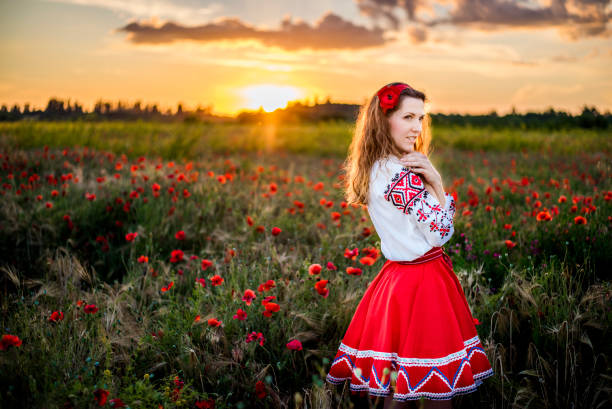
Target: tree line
[(60, 110)]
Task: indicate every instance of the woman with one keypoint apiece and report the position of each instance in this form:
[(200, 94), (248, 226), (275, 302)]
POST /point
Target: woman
[(412, 335)]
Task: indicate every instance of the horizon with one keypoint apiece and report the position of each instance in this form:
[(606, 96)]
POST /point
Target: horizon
[(309, 103), (235, 56)]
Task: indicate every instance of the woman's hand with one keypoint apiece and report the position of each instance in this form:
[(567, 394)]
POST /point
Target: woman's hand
[(420, 164)]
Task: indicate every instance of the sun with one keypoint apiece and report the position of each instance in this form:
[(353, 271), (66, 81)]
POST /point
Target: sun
[(269, 96)]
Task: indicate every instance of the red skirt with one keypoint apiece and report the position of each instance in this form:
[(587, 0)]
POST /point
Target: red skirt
[(412, 335)]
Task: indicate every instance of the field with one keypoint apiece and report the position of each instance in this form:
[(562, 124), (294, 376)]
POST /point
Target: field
[(171, 265)]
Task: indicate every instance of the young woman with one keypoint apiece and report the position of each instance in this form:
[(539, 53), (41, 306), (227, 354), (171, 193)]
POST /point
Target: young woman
[(412, 335)]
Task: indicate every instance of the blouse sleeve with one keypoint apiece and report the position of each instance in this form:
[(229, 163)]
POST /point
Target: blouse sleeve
[(406, 191)]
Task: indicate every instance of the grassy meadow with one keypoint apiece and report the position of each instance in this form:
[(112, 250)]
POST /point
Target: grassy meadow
[(153, 265)]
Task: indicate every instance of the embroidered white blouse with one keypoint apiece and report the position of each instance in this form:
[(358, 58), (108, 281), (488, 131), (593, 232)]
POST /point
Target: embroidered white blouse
[(408, 219)]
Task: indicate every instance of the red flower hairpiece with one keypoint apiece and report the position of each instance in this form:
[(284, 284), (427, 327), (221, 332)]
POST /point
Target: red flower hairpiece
[(389, 95)]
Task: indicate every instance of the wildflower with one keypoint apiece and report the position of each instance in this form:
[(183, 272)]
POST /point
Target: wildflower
[(248, 297), (166, 288), (90, 309), (270, 308), (294, 345), (197, 318), (240, 315), (314, 269), (56, 316), (213, 322), (205, 404), (180, 235), (275, 231), (176, 256), (320, 287), (216, 280), (130, 236), (260, 229), (476, 322), (221, 179), (101, 395), (580, 220), (260, 390), (202, 281), (249, 220), (254, 336), (352, 254), (509, 244), (143, 259), (266, 286), (335, 215), (117, 403), (368, 261), (562, 199), (206, 263), (9, 341), (353, 271), (543, 216), (331, 266)]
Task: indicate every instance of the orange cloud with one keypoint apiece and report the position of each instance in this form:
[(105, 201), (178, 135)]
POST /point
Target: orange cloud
[(330, 32)]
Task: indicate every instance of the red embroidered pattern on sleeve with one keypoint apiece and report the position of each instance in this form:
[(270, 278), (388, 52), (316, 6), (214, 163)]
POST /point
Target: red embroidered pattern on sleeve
[(407, 193)]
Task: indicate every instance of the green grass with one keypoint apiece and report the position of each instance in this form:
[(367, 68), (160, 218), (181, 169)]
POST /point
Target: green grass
[(544, 305)]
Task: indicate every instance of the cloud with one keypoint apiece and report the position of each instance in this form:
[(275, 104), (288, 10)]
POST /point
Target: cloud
[(329, 32), (150, 8), (575, 19)]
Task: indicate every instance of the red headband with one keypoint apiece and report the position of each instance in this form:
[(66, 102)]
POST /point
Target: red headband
[(389, 95)]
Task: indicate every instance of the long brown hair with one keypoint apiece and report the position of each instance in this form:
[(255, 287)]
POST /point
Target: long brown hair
[(372, 140)]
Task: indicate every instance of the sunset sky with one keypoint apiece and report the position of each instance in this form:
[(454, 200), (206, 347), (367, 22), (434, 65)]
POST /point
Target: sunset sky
[(468, 56)]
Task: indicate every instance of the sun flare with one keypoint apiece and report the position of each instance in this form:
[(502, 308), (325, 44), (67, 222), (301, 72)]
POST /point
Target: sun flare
[(269, 96)]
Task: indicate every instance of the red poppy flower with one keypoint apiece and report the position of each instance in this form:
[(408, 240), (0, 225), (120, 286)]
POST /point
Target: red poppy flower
[(166, 288), (205, 404), (101, 395), (176, 256), (213, 322), (270, 308), (476, 322), (206, 263), (320, 287), (117, 403), (249, 296), (260, 390), (275, 231), (509, 244), (580, 220), (56, 316), (266, 286), (131, 236), (331, 266), (367, 261), (352, 254), (249, 220), (353, 271), (9, 341), (180, 235), (543, 216), (216, 280), (240, 315), (314, 269), (197, 318), (294, 345), (143, 259), (202, 281), (90, 309)]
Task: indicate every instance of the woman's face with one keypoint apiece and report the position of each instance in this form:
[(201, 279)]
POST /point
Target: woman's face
[(406, 123)]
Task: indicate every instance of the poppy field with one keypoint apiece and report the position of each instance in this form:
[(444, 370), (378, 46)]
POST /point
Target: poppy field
[(139, 272)]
